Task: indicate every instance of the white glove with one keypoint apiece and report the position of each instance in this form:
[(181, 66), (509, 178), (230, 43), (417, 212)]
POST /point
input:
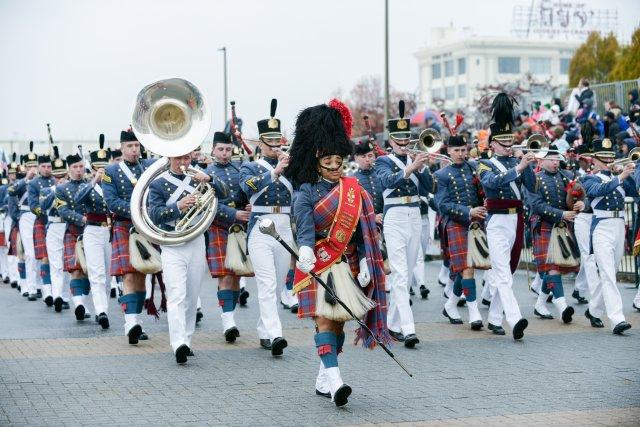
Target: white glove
[(306, 259), (364, 277)]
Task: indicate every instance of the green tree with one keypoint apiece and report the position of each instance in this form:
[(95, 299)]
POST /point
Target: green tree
[(627, 66), (594, 59)]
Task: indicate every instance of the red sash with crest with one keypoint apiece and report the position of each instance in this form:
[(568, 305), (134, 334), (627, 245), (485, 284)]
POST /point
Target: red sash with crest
[(330, 249)]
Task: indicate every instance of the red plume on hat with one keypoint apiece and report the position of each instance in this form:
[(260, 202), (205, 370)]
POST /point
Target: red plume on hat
[(345, 113)]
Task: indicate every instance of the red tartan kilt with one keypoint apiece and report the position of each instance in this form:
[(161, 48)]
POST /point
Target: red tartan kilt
[(13, 240), (541, 237), (217, 251), (457, 245), (120, 263), (3, 241), (40, 238), (70, 237)]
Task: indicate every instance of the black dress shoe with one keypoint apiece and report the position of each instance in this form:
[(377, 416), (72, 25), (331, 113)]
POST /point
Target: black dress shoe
[(19, 288), (199, 316), (39, 293), (341, 396), (6, 280), (65, 305), (327, 394), (49, 301), (567, 314), (87, 316), (265, 343), (621, 327), (486, 302), (285, 306), (57, 304), (294, 308), (80, 313), (635, 306), (25, 294), (191, 353), (518, 329), (143, 336), (32, 297), (411, 340), (112, 293), (244, 295), (103, 320), (595, 322), (496, 329), (14, 285), (396, 335), (134, 334), (181, 354), (476, 325), (462, 302), (277, 345), (451, 319), (542, 316), (411, 291), (424, 292), (231, 334), (580, 299), (410, 302)]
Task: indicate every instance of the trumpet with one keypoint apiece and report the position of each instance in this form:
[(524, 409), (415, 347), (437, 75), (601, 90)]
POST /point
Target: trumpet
[(429, 141), (632, 157)]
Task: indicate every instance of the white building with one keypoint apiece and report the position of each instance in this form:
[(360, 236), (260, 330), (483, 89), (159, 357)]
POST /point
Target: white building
[(454, 66)]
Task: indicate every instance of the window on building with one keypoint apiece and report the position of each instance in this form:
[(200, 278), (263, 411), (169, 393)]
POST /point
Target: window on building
[(462, 65), (449, 92), (508, 65), (540, 65), (564, 65), (448, 68), (435, 71), (436, 93), (462, 91)]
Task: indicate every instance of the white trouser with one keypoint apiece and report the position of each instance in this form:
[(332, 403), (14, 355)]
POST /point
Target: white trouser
[(271, 263), (402, 226), (418, 270), (183, 268), (433, 248), (608, 240), (55, 253), (587, 278), (501, 235), (98, 250), (12, 260), (425, 237), (27, 220), (486, 289), (4, 266)]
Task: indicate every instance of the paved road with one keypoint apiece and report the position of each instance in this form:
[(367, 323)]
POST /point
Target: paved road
[(56, 371)]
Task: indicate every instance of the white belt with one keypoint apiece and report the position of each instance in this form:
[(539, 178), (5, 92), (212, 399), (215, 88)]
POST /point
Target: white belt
[(54, 219), (271, 209), (404, 200), (609, 214), (25, 208)]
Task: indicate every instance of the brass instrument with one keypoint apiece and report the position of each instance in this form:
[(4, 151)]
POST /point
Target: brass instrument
[(429, 141), (632, 157), (171, 118), (536, 143)]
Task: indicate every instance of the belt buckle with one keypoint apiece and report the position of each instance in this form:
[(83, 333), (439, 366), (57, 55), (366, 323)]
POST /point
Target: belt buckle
[(103, 224), (512, 211), (276, 209), (406, 199)]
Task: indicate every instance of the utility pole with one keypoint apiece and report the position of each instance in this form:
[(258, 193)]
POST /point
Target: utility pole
[(386, 64), (224, 110)]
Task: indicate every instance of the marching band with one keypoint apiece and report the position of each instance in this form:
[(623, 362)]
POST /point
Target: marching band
[(333, 241)]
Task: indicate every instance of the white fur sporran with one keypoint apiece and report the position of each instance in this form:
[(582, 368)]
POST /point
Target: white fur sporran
[(144, 257), (19, 247), (79, 251), (561, 250), (477, 248), (346, 290), (236, 258)]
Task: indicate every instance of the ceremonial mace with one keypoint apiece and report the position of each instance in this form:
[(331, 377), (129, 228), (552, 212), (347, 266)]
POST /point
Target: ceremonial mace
[(266, 226)]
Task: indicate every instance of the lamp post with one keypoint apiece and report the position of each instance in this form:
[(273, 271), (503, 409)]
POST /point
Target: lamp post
[(224, 110), (386, 63)]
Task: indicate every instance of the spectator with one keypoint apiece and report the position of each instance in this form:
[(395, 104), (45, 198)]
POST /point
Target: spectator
[(611, 126), (597, 123), (632, 96), (559, 140)]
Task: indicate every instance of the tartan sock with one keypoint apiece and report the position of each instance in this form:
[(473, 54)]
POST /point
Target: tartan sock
[(79, 287), (22, 270), (289, 280), (469, 289), (340, 343), (142, 295), (545, 289), (326, 344), (129, 303), (86, 286), (226, 300), (554, 284), (45, 273), (236, 296), (457, 286)]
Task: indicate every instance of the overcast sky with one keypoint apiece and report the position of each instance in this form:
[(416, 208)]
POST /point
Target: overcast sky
[(79, 64)]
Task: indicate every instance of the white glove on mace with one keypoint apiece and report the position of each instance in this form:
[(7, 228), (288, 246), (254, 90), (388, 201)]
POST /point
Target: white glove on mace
[(306, 259), (363, 276)]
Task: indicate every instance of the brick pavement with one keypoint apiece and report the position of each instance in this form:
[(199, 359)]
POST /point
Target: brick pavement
[(55, 371)]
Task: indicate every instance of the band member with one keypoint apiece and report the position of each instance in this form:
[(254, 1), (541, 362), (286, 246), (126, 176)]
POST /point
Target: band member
[(117, 185), (15, 259), (502, 177), (231, 217), (404, 179), (270, 196), (73, 216), (365, 156), (36, 186), (55, 235), (606, 194), (459, 199), (550, 226), (184, 265), (96, 234), (4, 236), (26, 223), (337, 236)]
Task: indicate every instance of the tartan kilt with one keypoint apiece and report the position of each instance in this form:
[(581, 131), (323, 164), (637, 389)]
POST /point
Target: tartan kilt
[(3, 240), (457, 246), (120, 262), (70, 237), (13, 240), (217, 251), (307, 296), (40, 238), (541, 237)]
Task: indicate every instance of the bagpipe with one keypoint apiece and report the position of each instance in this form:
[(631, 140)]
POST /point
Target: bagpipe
[(236, 258)]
